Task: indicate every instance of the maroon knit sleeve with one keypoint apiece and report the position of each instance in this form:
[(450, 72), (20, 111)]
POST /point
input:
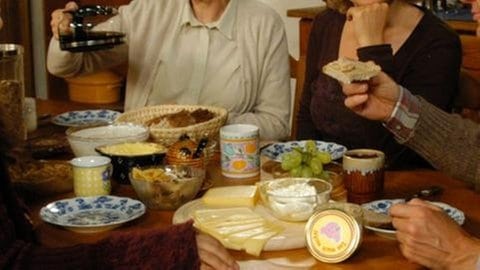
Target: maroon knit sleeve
[(171, 248)]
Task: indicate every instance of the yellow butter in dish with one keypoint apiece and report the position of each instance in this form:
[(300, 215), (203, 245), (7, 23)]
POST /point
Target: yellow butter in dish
[(233, 196)]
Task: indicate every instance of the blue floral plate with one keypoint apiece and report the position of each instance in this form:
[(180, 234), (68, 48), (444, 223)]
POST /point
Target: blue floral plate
[(92, 214), (276, 150), (382, 206), (85, 118)]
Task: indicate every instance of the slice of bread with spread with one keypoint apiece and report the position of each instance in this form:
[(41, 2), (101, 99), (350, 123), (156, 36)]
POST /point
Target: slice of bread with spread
[(348, 71), (377, 220)]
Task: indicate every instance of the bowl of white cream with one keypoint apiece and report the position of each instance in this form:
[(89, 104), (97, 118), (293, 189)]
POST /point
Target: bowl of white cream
[(294, 199)]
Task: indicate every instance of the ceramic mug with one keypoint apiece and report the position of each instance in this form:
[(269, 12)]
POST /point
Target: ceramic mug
[(239, 149), (363, 171), (91, 176)]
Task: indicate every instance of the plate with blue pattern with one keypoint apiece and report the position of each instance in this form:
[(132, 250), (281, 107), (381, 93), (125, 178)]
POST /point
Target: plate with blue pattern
[(382, 207), (85, 118), (276, 150), (92, 214)]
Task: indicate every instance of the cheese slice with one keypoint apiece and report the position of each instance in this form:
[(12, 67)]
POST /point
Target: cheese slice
[(255, 244), (232, 196), (241, 237), (225, 214), (236, 228)]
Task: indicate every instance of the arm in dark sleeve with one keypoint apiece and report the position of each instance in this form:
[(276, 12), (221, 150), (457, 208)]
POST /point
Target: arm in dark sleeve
[(382, 55), (305, 127), (432, 73), (171, 248)]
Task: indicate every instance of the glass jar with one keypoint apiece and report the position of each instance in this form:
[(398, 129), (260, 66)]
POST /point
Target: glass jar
[(12, 91)]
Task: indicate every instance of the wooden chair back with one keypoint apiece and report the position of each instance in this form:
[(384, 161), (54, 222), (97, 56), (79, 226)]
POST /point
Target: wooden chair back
[(297, 72), (467, 102)]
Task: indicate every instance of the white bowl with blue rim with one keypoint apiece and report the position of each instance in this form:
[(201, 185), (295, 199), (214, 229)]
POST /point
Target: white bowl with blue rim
[(383, 206), (92, 214), (276, 150)]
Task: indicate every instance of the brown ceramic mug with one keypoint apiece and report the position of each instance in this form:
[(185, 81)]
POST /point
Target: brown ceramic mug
[(363, 171)]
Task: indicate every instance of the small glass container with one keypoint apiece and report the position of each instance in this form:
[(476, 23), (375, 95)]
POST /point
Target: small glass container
[(12, 91), (333, 235)]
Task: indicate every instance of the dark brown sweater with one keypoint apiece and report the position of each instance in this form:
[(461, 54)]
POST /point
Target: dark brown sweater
[(172, 248), (427, 64)]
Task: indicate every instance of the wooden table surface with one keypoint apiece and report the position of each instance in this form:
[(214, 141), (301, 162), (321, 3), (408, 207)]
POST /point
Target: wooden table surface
[(375, 252)]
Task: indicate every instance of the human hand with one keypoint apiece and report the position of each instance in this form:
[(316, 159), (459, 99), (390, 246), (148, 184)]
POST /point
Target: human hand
[(213, 255), (431, 238), (61, 19), (374, 100), (368, 23)]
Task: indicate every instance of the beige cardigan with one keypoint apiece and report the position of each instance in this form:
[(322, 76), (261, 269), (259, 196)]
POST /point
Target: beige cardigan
[(150, 24)]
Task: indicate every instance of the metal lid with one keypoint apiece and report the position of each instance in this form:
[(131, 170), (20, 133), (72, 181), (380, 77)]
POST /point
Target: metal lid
[(332, 235), (7, 50)]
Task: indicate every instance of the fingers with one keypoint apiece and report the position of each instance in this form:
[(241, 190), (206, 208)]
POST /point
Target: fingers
[(353, 102), (354, 88), (412, 256), (70, 6), (356, 95), (213, 254), (60, 20), (422, 203)]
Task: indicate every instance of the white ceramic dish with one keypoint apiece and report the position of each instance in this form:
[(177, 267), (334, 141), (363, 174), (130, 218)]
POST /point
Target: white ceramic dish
[(292, 237), (84, 141), (85, 118), (382, 206), (92, 214), (276, 150)]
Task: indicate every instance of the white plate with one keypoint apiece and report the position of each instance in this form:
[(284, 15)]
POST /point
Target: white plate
[(292, 237), (276, 150), (84, 118), (92, 214), (382, 206)]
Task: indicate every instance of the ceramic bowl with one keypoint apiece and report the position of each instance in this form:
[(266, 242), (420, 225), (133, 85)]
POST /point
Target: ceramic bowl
[(126, 156), (83, 141)]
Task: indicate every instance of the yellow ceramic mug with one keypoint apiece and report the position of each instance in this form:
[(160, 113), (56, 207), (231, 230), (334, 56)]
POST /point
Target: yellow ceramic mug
[(91, 176)]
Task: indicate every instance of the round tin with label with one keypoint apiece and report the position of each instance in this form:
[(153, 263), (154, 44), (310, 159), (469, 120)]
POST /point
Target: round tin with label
[(332, 235)]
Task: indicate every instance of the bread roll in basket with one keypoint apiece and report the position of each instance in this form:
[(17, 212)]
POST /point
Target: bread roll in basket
[(165, 132)]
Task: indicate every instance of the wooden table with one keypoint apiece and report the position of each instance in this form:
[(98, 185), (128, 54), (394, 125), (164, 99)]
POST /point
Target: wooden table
[(375, 252)]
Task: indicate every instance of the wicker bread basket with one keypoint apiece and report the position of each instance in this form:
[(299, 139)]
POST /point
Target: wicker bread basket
[(167, 136)]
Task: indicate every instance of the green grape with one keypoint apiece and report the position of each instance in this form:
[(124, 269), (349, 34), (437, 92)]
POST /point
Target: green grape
[(298, 149), (291, 160), (296, 172), (316, 165), (324, 175), (310, 147), (324, 157), (306, 157), (306, 172)]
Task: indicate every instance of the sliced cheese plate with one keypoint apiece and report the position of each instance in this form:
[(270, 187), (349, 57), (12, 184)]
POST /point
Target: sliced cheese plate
[(292, 237)]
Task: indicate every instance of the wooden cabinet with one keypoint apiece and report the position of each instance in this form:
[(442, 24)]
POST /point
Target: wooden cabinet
[(57, 87)]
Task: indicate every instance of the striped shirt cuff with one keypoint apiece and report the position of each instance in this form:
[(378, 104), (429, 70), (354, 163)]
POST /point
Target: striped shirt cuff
[(404, 116)]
